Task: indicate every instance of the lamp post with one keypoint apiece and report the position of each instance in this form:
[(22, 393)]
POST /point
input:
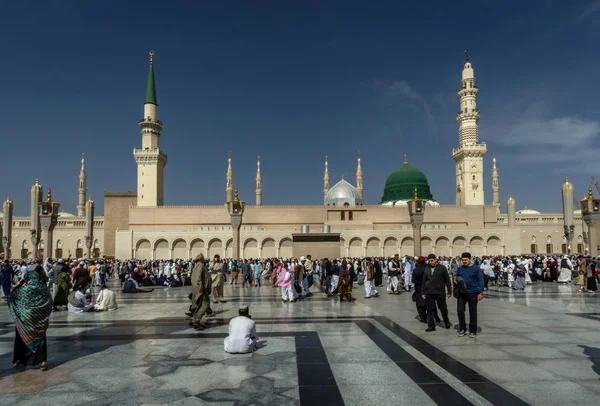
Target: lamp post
[(236, 211), (48, 220), (416, 211), (89, 220), (590, 210), (7, 219)]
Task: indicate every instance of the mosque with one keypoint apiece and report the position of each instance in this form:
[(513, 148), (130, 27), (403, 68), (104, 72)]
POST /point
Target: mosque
[(139, 225)]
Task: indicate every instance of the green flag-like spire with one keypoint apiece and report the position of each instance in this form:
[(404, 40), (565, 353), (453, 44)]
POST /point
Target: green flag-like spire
[(151, 89)]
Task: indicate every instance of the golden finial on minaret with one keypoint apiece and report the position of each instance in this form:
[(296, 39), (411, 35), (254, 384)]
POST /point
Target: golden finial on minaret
[(151, 53), (405, 160), (416, 194), (467, 55), (590, 193), (236, 196), (8, 199), (358, 154), (49, 196), (37, 182)]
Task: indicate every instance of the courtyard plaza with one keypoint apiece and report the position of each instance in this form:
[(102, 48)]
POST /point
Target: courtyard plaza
[(538, 347)]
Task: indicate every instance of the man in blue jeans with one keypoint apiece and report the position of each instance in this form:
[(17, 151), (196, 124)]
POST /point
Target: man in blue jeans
[(473, 278)]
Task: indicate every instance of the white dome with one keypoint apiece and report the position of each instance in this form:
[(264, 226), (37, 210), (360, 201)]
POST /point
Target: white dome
[(528, 211), (342, 193), (65, 214)]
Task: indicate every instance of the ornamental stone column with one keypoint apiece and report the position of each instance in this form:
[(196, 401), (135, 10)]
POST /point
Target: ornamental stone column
[(7, 215)]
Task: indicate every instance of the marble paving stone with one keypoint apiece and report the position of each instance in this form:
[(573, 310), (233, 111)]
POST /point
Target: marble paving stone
[(501, 371), (255, 391), (548, 393), (374, 373), (474, 352), (532, 351), (383, 394), (367, 353), (576, 369)]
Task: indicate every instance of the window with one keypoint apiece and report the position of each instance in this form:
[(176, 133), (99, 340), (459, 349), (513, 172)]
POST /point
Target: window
[(564, 249), (533, 248), (548, 248), (350, 215), (580, 248), (342, 215)]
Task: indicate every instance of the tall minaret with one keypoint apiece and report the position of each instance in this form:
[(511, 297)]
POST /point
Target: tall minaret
[(359, 178), (495, 188), (469, 154), (151, 161), (229, 187), (82, 189), (326, 180), (258, 184)]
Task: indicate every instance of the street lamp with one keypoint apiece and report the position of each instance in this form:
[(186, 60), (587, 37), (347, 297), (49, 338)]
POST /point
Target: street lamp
[(590, 211), (48, 220), (236, 211), (416, 211)]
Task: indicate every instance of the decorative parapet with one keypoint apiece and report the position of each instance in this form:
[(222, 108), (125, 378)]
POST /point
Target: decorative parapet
[(149, 156)]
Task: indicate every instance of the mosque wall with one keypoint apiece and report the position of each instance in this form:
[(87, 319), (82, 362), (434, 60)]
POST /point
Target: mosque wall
[(116, 213)]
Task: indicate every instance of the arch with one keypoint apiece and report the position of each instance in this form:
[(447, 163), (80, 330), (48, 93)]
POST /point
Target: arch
[(250, 248), (80, 244), (179, 248), (229, 248), (96, 244), (59, 244), (549, 239), (442, 247), (161, 249), (390, 247), (459, 241), (25, 244), (494, 246), (373, 247), (407, 246), (215, 247), (286, 248), (355, 247), (143, 249), (343, 250), (477, 248), (269, 250), (533, 239)]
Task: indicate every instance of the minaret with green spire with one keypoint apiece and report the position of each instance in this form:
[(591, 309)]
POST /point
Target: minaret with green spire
[(150, 159)]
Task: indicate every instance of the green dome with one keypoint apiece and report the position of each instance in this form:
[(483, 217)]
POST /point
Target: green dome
[(401, 184)]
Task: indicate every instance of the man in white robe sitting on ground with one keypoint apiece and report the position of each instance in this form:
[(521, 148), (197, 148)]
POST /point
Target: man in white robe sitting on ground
[(242, 337), (107, 300)]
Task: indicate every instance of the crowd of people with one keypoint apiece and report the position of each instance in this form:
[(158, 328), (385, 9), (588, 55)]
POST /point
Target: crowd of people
[(33, 289)]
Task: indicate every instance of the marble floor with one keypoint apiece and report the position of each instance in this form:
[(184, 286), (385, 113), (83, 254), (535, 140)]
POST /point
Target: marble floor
[(539, 347)]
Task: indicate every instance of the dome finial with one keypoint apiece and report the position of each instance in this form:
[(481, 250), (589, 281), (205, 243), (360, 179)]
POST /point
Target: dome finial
[(151, 53), (416, 194), (405, 160), (467, 55), (343, 178)]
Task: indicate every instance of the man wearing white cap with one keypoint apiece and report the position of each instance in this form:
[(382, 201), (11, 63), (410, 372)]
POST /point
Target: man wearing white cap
[(242, 337)]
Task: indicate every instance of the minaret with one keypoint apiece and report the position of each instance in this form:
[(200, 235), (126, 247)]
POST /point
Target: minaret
[(82, 189), (511, 209), (151, 161), (229, 187), (326, 180), (359, 178), (469, 154), (495, 187), (258, 184)]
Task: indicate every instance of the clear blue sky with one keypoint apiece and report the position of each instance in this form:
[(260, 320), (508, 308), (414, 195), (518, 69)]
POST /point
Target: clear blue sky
[(293, 82)]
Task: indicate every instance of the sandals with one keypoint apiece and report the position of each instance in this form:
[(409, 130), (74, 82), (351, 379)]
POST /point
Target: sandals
[(18, 364), (44, 366)]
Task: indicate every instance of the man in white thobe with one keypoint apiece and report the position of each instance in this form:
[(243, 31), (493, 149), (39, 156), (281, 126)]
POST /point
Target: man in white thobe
[(107, 300), (242, 337)]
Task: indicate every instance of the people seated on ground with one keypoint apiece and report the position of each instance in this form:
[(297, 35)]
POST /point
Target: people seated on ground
[(107, 300), (131, 286), (78, 303), (242, 337), (174, 281)]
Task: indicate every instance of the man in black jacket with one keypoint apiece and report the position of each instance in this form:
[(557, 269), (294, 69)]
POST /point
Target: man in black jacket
[(436, 287)]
